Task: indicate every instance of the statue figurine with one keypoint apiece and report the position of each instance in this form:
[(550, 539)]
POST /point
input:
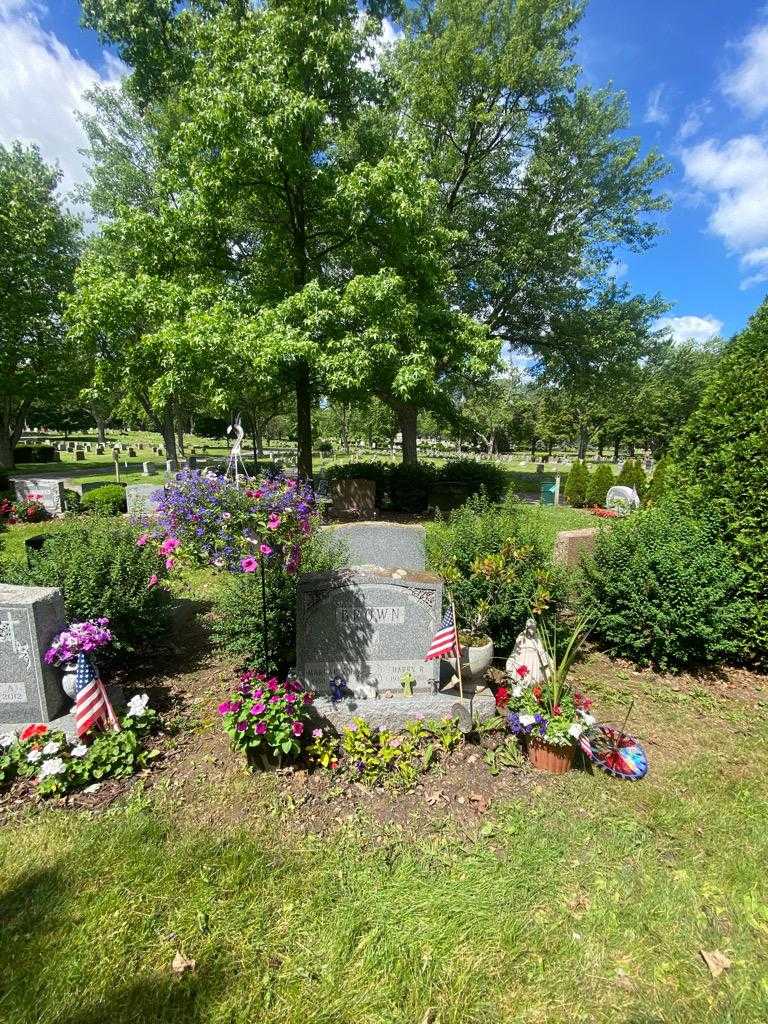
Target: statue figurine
[(408, 681), (528, 664)]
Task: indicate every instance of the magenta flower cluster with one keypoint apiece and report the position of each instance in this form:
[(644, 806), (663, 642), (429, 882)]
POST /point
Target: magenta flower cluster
[(80, 638), (208, 520), (263, 713)]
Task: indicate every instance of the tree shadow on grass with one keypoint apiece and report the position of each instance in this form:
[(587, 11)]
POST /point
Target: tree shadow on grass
[(35, 922)]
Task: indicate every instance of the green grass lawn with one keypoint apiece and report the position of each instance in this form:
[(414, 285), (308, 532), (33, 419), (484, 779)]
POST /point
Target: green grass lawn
[(586, 900)]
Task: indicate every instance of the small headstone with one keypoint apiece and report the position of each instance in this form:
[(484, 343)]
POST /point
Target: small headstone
[(131, 453), (99, 449), (30, 690), (138, 498), (355, 495), (389, 545), (570, 545), (171, 466), (50, 493), (79, 455), (148, 468)]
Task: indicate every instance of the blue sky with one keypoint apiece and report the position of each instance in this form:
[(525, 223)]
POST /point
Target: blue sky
[(696, 76)]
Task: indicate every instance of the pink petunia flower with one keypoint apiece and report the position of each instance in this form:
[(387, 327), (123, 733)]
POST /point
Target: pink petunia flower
[(152, 581), (142, 540), (249, 564), (265, 549), (297, 728), (274, 521), (260, 728)]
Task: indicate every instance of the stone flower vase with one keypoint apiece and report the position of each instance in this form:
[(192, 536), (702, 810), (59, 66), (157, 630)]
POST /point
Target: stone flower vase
[(69, 678), (550, 757)]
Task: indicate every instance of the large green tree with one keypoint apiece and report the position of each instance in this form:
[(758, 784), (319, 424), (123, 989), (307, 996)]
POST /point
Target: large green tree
[(38, 254)]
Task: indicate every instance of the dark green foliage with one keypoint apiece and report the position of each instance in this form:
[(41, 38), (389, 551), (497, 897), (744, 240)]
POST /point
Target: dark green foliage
[(34, 453), (721, 457), (633, 475), (663, 589), (495, 567), (71, 500), (599, 483), (659, 482), (577, 483), (409, 486), (109, 499), (100, 570), (476, 475), (237, 626)]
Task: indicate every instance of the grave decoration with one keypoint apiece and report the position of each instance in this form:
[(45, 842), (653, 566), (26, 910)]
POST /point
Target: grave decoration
[(79, 638), (548, 717), (27, 510), (614, 750)]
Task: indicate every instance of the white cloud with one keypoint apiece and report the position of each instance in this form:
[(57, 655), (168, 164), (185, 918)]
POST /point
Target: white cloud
[(41, 86), (693, 120), (690, 328), (618, 269), (747, 84), (654, 112)]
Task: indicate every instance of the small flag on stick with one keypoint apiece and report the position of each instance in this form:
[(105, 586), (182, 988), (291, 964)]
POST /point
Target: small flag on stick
[(445, 640), (92, 706)]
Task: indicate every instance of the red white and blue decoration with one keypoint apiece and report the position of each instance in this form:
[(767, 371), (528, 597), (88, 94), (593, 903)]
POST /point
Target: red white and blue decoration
[(92, 706), (445, 641), (614, 752)]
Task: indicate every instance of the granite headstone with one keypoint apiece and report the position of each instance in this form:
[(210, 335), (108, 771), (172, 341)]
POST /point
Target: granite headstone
[(138, 498), (389, 545), (50, 493)]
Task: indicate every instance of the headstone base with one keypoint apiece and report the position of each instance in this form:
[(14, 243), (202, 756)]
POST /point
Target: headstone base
[(66, 723), (393, 712)]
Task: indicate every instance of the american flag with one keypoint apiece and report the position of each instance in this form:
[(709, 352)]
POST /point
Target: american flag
[(92, 705), (445, 640)]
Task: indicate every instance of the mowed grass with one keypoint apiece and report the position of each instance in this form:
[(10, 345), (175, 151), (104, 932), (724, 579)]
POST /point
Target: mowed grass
[(588, 900)]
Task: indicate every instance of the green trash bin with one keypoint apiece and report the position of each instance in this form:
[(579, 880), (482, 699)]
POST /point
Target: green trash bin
[(550, 492)]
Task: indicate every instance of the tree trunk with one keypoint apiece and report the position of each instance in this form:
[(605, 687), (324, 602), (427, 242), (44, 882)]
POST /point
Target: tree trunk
[(533, 449), (550, 448), (407, 418), (304, 422), (600, 445), (258, 440), (180, 436), (101, 429), (11, 426), (583, 438), (169, 436), (616, 443)]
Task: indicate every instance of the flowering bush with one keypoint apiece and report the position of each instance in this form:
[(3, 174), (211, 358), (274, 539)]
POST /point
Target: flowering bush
[(266, 716), (59, 766), (604, 513), (81, 638), (29, 510), (534, 713), (208, 520)]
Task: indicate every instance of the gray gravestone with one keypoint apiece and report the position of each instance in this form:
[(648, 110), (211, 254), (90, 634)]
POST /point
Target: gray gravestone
[(390, 545), (50, 493), (369, 626), (148, 468), (30, 690), (80, 455), (138, 498)]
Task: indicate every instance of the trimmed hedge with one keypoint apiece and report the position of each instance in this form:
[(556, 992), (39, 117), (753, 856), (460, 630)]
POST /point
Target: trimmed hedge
[(721, 459), (35, 453), (664, 589), (109, 499), (600, 482)]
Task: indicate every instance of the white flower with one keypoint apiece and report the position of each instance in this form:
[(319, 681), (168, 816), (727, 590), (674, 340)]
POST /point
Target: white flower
[(53, 766), (137, 705), (589, 719), (79, 751), (34, 756), (7, 739), (576, 730), (517, 691), (51, 748), (527, 720)]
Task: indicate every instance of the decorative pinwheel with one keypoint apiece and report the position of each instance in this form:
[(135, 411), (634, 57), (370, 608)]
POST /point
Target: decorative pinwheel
[(614, 751)]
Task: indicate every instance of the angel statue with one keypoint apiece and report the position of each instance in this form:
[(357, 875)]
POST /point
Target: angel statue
[(528, 664)]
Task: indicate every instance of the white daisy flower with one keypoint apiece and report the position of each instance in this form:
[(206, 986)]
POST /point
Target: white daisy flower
[(34, 756), (53, 766), (7, 740), (51, 748), (79, 751)]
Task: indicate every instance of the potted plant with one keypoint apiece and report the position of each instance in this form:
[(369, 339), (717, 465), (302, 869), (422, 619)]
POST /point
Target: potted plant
[(549, 718)]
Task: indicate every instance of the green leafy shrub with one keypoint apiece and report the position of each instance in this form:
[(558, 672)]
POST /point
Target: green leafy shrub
[(109, 500), (721, 458), (495, 565), (380, 757), (659, 482), (663, 589), (599, 483), (633, 475), (476, 475), (71, 500), (577, 483), (237, 625), (36, 453), (101, 571), (409, 486)]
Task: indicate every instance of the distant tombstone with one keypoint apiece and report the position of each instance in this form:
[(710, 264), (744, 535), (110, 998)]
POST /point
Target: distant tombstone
[(99, 449), (191, 462), (30, 690), (123, 447), (139, 498), (131, 453), (50, 493), (79, 455), (116, 453), (171, 466), (571, 545), (388, 545), (148, 468), (622, 499), (355, 496)]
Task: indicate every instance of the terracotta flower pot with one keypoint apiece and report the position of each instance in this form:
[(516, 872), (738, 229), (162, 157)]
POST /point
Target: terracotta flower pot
[(548, 757)]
